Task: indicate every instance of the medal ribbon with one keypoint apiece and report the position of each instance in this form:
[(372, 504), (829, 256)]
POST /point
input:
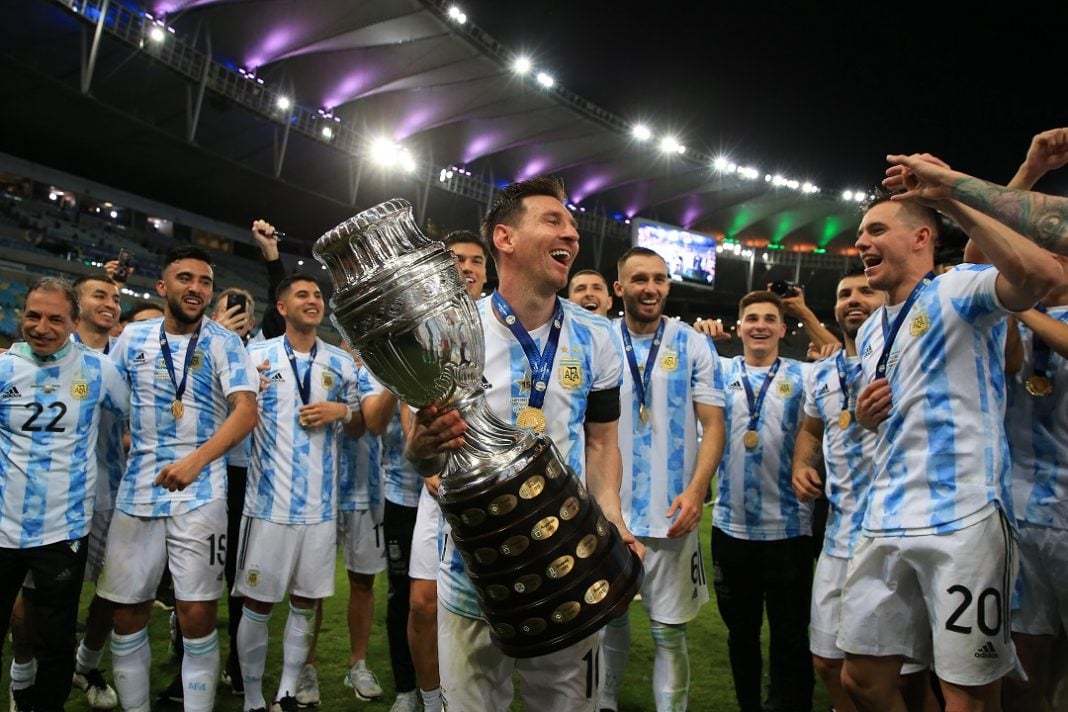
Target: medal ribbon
[(641, 384), (840, 362), (756, 404), (165, 347), (541, 365), (1040, 349), (303, 384), (890, 332)]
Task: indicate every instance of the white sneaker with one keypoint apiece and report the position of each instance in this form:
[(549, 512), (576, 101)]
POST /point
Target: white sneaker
[(308, 687), (363, 682), (98, 693), (407, 702)]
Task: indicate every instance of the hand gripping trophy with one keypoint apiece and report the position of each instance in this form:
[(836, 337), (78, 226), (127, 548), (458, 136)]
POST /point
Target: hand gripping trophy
[(548, 567)]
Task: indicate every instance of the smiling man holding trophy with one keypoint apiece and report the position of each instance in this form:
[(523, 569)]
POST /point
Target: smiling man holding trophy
[(534, 563)]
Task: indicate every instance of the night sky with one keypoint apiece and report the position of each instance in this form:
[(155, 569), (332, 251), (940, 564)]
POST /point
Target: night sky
[(818, 91)]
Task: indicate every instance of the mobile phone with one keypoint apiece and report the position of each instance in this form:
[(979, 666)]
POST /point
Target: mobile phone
[(125, 262), (784, 289), (236, 299)]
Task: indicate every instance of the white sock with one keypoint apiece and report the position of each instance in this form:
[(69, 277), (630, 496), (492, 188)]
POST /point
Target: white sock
[(131, 663), (614, 650), (23, 675), (252, 654), (295, 645), (200, 672), (431, 699), (87, 659), (671, 667)]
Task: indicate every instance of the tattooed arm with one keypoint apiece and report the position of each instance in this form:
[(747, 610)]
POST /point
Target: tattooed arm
[(1043, 219)]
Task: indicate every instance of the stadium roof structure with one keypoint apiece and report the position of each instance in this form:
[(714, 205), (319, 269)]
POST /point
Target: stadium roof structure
[(305, 111)]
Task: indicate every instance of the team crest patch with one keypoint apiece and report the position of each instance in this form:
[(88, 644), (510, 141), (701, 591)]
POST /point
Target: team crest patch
[(786, 388), (197, 361), (328, 380), (79, 389), (570, 373), (670, 360), (919, 325), (252, 578)]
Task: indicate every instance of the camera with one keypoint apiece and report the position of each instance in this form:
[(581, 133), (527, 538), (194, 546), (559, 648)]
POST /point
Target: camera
[(125, 260), (783, 289)]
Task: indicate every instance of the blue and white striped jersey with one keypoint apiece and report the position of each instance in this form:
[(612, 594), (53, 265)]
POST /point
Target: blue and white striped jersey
[(401, 484), (1038, 438), (846, 453), (659, 456), (589, 358), (220, 367), (293, 471), (941, 458), (754, 497), (49, 428), (110, 452), (360, 482)]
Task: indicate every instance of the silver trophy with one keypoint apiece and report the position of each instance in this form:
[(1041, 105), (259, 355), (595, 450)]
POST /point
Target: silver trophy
[(548, 567)]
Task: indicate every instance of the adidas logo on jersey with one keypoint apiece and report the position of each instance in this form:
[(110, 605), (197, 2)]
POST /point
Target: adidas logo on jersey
[(868, 351), (10, 393), (825, 389), (736, 386), (139, 358), (986, 650), (277, 377)]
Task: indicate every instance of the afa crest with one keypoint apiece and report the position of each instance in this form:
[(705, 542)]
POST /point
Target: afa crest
[(785, 388), (670, 360), (571, 373), (79, 389), (920, 324), (252, 578), (197, 361), (328, 379)]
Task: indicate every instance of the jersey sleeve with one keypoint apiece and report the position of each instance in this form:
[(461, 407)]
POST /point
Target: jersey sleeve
[(707, 378), (973, 289), (237, 371), (116, 390), (811, 408), (607, 363)]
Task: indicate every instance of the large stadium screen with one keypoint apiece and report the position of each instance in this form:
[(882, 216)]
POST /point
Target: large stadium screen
[(690, 256)]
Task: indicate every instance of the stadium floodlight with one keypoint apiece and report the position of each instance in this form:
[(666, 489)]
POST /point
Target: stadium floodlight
[(283, 103), (720, 164), (670, 144), (300, 263), (327, 133), (114, 214), (748, 172), (641, 132), (388, 154), (847, 195), (860, 196), (545, 80), (522, 65), (457, 15), (156, 34)]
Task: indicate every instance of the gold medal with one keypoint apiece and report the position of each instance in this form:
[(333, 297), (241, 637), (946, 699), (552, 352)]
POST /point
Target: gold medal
[(844, 419), (643, 413), (531, 419), (177, 409), (1039, 386), (751, 439)]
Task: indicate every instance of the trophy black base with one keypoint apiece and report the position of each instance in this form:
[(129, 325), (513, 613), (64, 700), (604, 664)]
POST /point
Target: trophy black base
[(548, 567)]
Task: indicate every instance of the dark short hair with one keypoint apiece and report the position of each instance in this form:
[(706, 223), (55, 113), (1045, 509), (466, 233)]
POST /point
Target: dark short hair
[(186, 252), (636, 251), (139, 306), (917, 213), (584, 273), (94, 277), (760, 297), (288, 282), (55, 284), (508, 207), (466, 237)]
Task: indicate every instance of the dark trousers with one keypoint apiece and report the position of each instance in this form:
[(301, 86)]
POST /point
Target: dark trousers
[(58, 570), (235, 504), (749, 576), (398, 522)]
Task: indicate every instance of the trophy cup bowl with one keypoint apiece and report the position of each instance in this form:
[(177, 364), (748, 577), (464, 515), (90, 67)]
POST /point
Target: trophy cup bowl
[(549, 569)]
